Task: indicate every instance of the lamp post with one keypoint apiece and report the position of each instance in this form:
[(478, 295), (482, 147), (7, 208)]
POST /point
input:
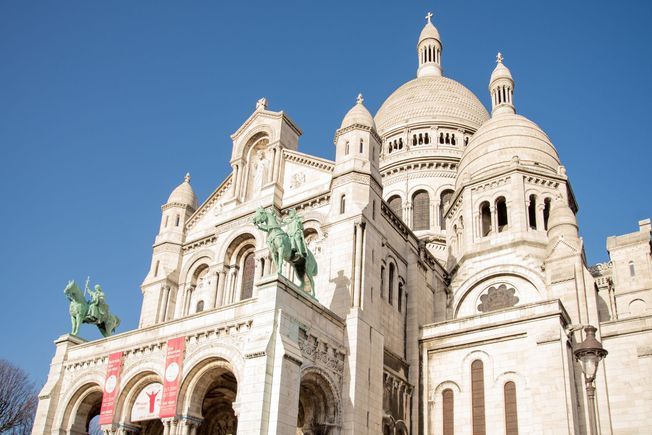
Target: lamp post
[(589, 353)]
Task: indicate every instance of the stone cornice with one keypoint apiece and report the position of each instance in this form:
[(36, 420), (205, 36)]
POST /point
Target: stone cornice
[(212, 199), (371, 131), (308, 160), (266, 114)]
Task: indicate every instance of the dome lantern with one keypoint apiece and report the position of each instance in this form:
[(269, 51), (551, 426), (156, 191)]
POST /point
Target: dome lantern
[(501, 88), (429, 50)]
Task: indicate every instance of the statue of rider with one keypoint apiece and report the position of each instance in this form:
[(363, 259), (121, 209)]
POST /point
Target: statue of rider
[(98, 308), (295, 233)]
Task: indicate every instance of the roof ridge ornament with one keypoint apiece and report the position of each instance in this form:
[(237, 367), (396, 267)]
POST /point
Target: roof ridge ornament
[(429, 16), (187, 177), (261, 104), (359, 100), (499, 57)]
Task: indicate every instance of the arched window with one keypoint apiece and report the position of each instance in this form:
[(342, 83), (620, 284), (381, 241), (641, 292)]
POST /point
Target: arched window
[(420, 211), (511, 418), (444, 201), (382, 282), (414, 139), (399, 300), (346, 148), (390, 288), (477, 397), (342, 204), (200, 307), (501, 210), (177, 221), (532, 212), (400, 143), (448, 412), (441, 138), (546, 213), (632, 269), (248, 272), (426, 139), (448, 139), (361, 146), (420, 138), (485, 219), (453, 140), (396, 204)]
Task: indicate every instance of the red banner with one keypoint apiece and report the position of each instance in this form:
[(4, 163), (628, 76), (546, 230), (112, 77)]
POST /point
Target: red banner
[(111, 384), (172, 376)]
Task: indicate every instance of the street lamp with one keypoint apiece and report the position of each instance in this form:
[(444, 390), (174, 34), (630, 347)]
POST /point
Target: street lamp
[(589, 353)]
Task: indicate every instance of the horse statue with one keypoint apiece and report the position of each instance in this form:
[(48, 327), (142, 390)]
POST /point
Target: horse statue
[(291, 248), (95, 311)]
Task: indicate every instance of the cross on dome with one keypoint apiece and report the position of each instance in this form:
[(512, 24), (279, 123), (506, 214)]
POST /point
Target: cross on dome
[(359, 100), (499, 57), (187, 177), (429, 16)]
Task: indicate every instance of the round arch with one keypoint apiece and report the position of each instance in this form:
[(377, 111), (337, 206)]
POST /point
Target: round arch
[(205, 256), (319, 403), (130, 391), (470, 289), (81, 408)]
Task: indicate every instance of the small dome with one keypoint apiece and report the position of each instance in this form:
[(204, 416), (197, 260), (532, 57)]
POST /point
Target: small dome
[(429, 31), (562, 220), (358, 115), (183, 194), (431, 99), (500, 72), (504, 140)]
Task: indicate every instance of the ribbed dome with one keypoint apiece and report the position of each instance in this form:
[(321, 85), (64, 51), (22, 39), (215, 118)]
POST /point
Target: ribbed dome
[(432, 99), (503, 138), (429, 31), (500, 72), (183, 194), (358, 115)]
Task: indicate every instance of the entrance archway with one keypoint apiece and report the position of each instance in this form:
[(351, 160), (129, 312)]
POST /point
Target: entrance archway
[(318, 406), (212, 388), (83, 409)]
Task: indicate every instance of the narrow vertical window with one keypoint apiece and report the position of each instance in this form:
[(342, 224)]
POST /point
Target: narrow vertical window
[(248, 272), (176, 224), (546, 213), (501, 210), (382, 282), (448, 411), (342, 204), (156, 268), (400, 297), (511, 420), (632, 269), (373, 209), (532, 212), (477, 397), (390, 288), (485, 219), (167, 218), (444, 200), (420, 211), (346, 148), (361, 146)]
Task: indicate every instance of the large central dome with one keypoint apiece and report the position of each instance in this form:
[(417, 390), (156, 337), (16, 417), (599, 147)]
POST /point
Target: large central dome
[(431, 99)]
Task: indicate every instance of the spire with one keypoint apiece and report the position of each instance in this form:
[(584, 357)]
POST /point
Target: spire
[(187, 177), (501, 88), (429, 50), (358, 115)]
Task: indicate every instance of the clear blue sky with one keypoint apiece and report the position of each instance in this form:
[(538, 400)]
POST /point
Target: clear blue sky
[(105, 105)]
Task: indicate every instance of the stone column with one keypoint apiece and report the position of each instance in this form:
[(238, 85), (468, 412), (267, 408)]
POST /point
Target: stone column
[(436, 218), (221, 278), (213, 292), (494, 219), (181, 297), (539, 211), (357, 280)]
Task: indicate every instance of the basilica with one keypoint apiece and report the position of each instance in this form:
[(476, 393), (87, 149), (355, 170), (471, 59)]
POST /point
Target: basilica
[(450, 292)]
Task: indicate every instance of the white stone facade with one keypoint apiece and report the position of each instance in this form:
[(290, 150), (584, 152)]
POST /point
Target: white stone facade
[(452, 286)]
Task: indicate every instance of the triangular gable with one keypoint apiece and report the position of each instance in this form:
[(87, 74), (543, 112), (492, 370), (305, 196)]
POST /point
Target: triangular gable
[(210, 202)]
